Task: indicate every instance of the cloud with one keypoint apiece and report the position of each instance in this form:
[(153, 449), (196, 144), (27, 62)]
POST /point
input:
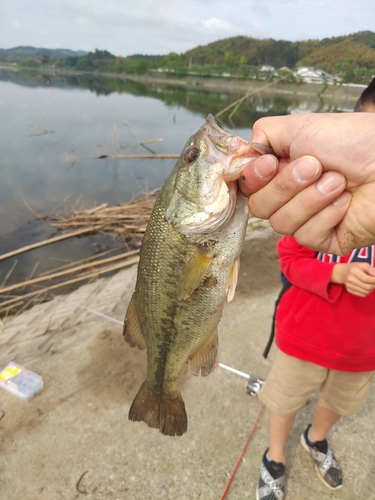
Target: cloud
[(16, 24), (216, 25), (83, 21), (162, 26)]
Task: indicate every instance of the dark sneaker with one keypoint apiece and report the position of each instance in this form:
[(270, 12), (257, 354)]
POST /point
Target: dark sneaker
[(271, 481), (327, 467)]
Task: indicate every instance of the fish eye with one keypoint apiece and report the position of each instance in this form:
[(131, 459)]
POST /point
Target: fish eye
[(192, 154)]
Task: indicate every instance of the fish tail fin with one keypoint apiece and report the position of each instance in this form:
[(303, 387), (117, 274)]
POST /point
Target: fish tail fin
[(166, 414)]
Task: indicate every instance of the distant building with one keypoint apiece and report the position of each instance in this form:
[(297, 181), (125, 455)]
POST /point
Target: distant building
[(266, 67), (266, 71), (315, 75)]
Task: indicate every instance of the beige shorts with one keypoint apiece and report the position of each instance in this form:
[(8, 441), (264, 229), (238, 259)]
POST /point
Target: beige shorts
[(291, 382)]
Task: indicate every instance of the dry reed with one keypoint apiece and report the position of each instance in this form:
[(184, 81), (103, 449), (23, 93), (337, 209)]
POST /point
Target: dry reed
[(127, 220)]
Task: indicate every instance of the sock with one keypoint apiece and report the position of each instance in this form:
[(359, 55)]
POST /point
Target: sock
[(321, 446), (276, 469)]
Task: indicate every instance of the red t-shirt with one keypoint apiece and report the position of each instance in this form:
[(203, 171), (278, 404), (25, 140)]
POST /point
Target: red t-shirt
[(319, 321)]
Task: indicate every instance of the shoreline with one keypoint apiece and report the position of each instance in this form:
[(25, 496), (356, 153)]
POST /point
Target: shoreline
[(212, 84), (235, 86)]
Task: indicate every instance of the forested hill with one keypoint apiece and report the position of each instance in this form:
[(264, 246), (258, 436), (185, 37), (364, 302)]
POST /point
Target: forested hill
[(351, 57), (354, 50), (24, 52)]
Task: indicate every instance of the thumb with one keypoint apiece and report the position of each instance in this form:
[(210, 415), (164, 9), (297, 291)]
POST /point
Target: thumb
[(257, 174)]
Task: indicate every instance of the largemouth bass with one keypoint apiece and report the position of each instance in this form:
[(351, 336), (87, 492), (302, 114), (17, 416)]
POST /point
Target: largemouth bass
[(188, 269)]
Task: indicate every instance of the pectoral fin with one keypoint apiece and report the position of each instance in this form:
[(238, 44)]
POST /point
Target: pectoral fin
[(192, 274), (233, 278), (132, 329), (204, 360)]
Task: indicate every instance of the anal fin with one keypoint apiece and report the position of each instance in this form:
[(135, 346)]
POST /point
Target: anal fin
[(203, 361)]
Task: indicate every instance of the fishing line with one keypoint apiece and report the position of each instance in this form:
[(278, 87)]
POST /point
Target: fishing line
[(97, 313)]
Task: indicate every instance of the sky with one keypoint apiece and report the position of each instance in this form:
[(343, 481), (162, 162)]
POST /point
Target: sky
[(158, 27)]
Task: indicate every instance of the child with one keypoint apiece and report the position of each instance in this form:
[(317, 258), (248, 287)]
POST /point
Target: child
[(366, 101), (325, 334)]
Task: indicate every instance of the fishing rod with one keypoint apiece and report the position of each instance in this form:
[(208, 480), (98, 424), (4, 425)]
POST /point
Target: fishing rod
[(254, 383)]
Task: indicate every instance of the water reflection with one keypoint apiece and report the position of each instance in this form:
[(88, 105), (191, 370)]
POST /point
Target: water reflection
[(196, 100), (55, 128)]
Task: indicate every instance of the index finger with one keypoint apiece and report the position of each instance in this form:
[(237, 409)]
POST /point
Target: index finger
[(288, 182), (268, 131)]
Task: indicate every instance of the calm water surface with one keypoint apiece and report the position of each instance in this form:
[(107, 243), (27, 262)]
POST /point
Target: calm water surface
[(53, 132)]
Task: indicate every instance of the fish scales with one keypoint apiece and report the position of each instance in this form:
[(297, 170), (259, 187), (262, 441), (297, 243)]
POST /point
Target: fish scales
[(188, 267)]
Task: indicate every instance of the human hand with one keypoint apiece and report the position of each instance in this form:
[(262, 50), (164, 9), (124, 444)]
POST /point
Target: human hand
[(357, 277), (298, 200), (318, 213)]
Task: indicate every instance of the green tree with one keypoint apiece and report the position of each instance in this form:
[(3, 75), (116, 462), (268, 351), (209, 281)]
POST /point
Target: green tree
[(141, 66), (229, 58)]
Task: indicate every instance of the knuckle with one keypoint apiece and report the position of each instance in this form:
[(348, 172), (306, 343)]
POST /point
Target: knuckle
[(258, 207), (283, 186), (282, 224)]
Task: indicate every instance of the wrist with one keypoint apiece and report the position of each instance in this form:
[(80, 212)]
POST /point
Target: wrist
[(337, 275)]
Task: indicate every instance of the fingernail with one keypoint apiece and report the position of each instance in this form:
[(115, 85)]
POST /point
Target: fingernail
[(329, 182), (305, 169), (265, 166), (343, 199)]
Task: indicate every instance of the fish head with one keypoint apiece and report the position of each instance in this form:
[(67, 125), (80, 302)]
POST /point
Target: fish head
[(203, 197)]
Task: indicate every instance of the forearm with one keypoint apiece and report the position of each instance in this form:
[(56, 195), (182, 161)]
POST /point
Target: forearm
[(301, 267)]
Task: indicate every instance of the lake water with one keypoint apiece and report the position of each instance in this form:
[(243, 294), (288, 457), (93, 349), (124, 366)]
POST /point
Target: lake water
[(53, 132)]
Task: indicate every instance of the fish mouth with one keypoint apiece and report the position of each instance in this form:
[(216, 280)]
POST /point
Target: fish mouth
[(209, 205), (233, 152)]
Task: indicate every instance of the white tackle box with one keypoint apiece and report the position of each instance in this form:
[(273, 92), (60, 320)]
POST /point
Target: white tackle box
[(21, 382)]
